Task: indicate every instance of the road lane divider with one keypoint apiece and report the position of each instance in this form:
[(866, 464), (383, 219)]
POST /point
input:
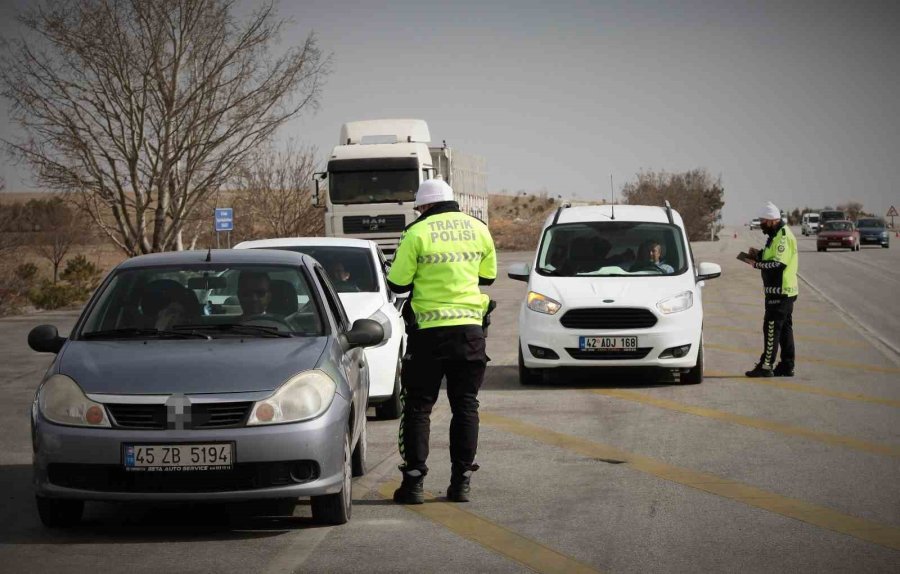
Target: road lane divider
[(809, 338), (817, 360), (762, 424), (759, 317), (801, 388), (820, 516), (509, 544)]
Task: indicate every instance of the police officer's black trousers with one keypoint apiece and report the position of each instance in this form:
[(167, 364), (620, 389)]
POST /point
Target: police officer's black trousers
[(457, 353), (778, 331)]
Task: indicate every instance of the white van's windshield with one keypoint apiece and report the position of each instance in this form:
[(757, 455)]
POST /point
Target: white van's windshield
[(612, 249)]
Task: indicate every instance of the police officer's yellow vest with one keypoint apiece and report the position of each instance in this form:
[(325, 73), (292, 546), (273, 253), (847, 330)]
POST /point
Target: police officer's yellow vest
[(443, 256), (781, 281)]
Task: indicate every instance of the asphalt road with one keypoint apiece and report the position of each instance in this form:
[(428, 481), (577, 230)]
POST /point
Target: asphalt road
[(596, 472)]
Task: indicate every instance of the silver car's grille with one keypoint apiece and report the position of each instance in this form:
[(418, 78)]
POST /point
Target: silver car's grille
[(202, 415), (137, 416), (219, 415)]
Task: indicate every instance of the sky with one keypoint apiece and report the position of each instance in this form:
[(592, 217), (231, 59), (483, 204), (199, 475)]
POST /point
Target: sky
[(791, 101)]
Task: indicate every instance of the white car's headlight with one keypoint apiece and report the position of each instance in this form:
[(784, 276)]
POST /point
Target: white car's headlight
[(542, 303), (676, 303), (63, 402), (304, 396)]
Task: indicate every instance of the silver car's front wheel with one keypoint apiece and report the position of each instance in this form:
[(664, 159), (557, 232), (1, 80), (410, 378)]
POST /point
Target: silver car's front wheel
[(337, 508)]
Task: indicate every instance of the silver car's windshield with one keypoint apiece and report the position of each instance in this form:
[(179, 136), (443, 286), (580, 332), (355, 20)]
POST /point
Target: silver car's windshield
[(612, 248), (209, 301)]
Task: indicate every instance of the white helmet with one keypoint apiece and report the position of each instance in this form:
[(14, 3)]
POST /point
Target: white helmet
[(433, 191), (769, 211)]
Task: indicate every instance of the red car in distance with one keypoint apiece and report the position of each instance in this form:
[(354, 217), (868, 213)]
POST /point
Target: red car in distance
[(840, 234)]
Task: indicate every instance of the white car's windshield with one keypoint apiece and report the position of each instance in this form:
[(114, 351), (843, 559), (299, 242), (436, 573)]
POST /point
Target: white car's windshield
[(612, 249), (351, 269)]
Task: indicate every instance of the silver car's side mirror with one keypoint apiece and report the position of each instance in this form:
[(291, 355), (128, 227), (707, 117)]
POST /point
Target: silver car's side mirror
[(45, 339)]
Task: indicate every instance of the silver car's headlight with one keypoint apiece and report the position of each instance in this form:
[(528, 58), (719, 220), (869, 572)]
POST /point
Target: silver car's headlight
[(676, 303), (62, 401), (302, 397), (542, 303)]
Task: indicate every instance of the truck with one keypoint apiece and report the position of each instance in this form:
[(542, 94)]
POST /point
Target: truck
[(373, 174)]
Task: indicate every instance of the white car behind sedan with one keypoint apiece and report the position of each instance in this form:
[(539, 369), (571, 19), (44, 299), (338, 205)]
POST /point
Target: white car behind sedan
[(356, 268)]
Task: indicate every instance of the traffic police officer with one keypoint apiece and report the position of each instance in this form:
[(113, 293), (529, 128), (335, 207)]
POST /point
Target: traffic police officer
[(778, 263), (442, 258)]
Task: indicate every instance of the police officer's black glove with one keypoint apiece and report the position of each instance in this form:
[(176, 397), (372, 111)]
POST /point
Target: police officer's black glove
[(486, 321)]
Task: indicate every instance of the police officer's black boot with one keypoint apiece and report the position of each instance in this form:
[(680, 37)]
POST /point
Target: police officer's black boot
[(412, 489), (783, 370), (458, 491), (760, 370)]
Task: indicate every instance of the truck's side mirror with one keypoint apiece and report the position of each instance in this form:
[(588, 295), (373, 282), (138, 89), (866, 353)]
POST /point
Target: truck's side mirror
[(320, 175)]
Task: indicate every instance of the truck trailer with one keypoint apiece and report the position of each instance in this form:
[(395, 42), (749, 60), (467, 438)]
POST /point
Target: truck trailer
[(373, 174)]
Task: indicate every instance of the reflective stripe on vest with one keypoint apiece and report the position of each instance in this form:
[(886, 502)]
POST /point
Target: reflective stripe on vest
[(440, 314)]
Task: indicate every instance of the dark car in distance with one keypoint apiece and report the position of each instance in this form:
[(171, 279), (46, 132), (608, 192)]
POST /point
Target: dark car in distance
[(873, 231), (837, 235)]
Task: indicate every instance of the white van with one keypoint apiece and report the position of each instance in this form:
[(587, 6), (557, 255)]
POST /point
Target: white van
[(612, 289), (809, 224)]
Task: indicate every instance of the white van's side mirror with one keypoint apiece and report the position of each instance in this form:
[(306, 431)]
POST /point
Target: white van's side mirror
[(708, 271), (519, 271)]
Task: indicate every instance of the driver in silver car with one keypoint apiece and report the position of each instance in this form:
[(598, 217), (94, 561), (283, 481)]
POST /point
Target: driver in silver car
[(254, 293)]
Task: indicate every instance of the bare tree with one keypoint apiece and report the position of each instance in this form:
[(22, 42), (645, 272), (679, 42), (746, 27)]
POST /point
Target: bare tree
[(852, 209), (274, 197), (695, 194), (60, 230), (145, 109)]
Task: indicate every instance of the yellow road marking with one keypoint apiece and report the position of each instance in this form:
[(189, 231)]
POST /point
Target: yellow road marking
[(759, 316), (821, 516), (819, 360), (827, 438), (805, 389), (758, 301), (525, 551), (811, 339)]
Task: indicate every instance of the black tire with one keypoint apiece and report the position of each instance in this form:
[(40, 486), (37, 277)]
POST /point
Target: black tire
[(529, 377), (821, 249), (695, 375), (391, 409), (336, 508), (360, 452), (59, 513), (886, 245)]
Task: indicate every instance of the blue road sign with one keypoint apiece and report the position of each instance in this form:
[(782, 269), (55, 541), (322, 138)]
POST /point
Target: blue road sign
[(224, 219)]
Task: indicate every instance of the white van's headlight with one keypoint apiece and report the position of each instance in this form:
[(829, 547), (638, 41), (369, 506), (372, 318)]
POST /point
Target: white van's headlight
[(63, 402), (304, 396), (680, 302), (542, 303)]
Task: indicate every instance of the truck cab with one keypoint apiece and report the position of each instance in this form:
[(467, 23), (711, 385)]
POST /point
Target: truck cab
[(373, 175)]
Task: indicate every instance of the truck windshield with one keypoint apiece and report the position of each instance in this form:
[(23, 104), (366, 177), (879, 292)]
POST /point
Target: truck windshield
[(373, 186), (612, 249)]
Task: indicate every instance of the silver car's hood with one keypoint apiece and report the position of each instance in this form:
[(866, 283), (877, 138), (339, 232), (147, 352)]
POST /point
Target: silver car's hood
[(188, 366)]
